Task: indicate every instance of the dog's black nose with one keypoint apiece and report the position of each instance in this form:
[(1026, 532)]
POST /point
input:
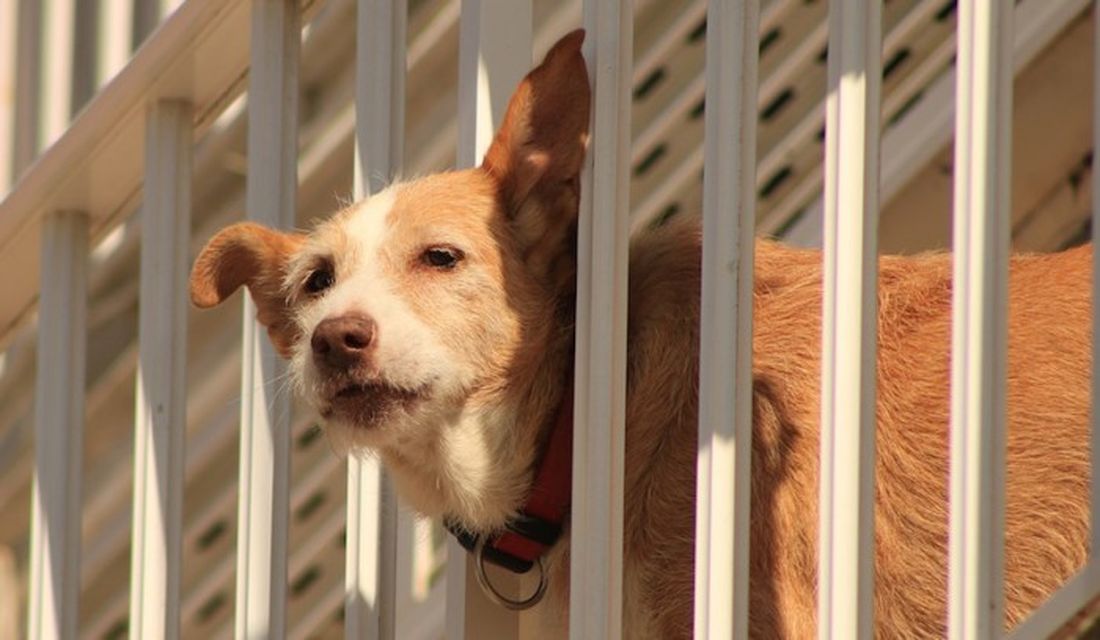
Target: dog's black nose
[(343, 342)]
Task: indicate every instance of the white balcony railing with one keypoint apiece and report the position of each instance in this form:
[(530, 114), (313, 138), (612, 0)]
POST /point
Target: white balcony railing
[(132, 148)]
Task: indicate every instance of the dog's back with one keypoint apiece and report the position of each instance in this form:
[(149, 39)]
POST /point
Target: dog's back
[(1047, 457)]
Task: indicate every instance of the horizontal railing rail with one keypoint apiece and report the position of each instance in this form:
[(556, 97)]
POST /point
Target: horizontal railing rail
[(199, 54)]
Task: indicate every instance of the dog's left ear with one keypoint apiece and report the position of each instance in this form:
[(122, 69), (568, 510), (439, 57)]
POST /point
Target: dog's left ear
[(537, 154), (249, 255)]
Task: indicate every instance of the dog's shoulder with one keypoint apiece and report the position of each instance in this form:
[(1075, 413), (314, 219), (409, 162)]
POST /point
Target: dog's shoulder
[(665, 272)]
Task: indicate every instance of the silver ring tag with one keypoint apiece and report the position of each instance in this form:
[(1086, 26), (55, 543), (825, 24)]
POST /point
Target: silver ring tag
[(494, 595)]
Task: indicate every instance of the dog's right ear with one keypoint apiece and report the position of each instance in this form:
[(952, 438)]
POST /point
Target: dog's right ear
[(254, 256), (536, 157)]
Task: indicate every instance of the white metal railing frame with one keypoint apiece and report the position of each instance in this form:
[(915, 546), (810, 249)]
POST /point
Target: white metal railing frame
[(979, 348), (8, 48), (56, 508), (100, 619), (929, 126), (596, 514), (92, 165), (849, 322), (725, 332), (93, 561), (160, 420), (66, 50), (371, 575), (493, 36), (67, 199), (66, 174), (1039, 21), (264, 504), (983, 156), (1083, 587)]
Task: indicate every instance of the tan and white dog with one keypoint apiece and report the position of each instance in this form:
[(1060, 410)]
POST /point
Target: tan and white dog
[(432, 325)]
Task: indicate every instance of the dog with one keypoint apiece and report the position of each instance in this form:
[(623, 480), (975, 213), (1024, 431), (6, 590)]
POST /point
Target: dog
[(432, 325)]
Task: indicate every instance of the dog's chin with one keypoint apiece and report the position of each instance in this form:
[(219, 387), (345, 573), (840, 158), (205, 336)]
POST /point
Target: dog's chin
[(368, 405)]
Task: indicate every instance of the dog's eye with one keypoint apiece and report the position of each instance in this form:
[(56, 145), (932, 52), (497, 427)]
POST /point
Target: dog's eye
[(319, 280), (441, 257)]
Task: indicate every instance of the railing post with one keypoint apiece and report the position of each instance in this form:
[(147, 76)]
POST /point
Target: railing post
[(725, 345), (160, 414), (28, 80), (263, 507), (57, 44), (596, 525), (115, 38), (147, 15), (1093, 566), (370, 593), (8, 71), (494, 55), (59, 428), (849, 322), (983, 160)]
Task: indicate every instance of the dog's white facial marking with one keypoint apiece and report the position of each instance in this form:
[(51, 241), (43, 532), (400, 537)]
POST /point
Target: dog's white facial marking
[(453, 345), (366, 263)]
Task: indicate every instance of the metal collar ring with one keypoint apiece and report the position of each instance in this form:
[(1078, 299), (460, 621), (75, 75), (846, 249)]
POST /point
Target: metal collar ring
[(496, 596)]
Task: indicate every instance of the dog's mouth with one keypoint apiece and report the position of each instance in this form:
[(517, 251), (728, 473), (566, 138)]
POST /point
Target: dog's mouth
[(367, 404)]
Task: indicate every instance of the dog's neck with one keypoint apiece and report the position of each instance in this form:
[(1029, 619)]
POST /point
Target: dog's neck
[(479, 470)]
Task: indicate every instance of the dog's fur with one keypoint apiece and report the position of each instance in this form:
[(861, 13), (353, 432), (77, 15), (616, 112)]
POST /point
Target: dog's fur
[(467, 364)]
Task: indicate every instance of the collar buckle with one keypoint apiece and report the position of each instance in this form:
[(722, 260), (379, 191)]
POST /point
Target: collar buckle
[(525, 535)]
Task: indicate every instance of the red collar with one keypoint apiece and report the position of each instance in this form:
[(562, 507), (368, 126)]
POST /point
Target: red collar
[(539, 524)]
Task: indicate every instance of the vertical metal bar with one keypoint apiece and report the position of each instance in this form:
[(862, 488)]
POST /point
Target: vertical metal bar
[(263, 507), (370, 576), (371, 571), (11, 584), (8, 66), (28, 80), (59, 428), (725, 347), (494, 53), (57, 43), (983, 152), (849, 312), (596, 537), (160, 414), (1093, 566), (83, 64), (116, 26), (146, 19)]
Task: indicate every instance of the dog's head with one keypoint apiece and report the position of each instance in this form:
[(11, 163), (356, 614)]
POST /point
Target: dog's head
[(433, 296)]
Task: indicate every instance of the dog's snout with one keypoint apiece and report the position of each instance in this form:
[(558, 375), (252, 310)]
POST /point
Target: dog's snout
[(343, 342)]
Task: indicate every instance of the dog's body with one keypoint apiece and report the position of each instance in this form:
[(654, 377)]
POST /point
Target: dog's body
[(1047, 450), (432, 325)]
